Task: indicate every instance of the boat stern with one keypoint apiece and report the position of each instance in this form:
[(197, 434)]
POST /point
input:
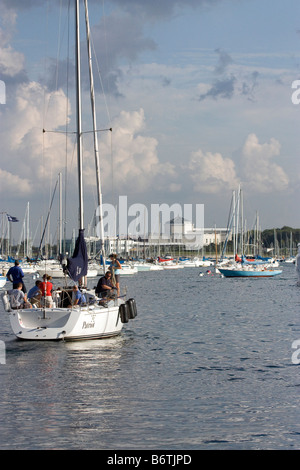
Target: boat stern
[(40, 324)]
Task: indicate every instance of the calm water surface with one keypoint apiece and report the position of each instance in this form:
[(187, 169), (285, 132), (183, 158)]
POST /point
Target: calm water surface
[(206, 364)]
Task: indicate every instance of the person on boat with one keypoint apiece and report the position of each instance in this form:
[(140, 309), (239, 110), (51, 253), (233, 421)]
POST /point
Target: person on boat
[(18, 299), (15, 275), (104, 287), (78, 298), (115, 269), (35, 294), (46, 288)]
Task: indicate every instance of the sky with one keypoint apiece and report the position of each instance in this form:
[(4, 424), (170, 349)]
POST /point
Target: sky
[(198, 93)]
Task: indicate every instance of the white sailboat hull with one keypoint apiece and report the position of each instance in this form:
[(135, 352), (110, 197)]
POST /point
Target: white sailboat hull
[(66, 324)]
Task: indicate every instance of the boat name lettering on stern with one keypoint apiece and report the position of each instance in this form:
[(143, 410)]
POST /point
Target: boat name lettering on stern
[(89, 324)]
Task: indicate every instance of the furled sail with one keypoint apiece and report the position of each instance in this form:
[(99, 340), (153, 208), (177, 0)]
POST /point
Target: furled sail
[(77, 266)]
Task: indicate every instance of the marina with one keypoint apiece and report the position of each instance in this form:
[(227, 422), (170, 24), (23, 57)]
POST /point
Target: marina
[(209, 366), (132, 318)]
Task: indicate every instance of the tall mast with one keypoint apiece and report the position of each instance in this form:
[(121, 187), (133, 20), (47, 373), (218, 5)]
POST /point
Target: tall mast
[(78, 115), (96, 148), (60, 215)]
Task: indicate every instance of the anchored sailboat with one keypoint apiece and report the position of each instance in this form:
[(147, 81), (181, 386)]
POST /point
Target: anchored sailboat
[(96, 318), (243, 267)]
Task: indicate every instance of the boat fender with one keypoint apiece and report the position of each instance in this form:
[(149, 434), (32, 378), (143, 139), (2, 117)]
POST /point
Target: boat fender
[(123, 311), (6, 302), (132, 311)]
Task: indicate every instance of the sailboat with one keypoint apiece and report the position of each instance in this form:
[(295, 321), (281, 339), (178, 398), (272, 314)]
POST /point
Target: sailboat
[(249, 271), (96, 318), (242, 267)]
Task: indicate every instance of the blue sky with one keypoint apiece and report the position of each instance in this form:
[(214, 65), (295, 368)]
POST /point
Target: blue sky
[(198, 94)]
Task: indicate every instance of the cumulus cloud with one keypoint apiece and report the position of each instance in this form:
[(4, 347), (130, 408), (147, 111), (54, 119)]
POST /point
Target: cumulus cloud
[(135, 165), (12, 62), (33, 157), (22, 186), (211, 172), (259, 171)]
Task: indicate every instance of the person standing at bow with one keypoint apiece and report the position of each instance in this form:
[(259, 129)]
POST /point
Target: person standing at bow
[(46, 288), (15, 275), (115, 269)]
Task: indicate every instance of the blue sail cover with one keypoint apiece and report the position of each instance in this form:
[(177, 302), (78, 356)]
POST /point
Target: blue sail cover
[(77, 266)]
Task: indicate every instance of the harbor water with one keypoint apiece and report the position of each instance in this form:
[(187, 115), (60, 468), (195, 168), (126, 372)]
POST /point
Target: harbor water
[(209, 363)]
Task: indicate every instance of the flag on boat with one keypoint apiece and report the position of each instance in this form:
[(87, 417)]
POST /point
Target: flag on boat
[(10, 218), (77, 266)]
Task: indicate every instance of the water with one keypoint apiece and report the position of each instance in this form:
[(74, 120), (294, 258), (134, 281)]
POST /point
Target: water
[(206, 364)]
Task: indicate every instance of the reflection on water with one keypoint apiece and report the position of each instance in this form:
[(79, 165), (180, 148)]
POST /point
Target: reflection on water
[(206, 364)]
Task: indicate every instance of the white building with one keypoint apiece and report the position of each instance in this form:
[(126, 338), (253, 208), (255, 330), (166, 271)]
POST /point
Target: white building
[(178, 233)]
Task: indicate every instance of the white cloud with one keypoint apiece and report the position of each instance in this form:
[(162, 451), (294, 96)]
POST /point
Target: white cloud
[(135, 162), (212, 173), (33, 156), (11, 61), (11, 182), (259, 172), (150, 145)]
